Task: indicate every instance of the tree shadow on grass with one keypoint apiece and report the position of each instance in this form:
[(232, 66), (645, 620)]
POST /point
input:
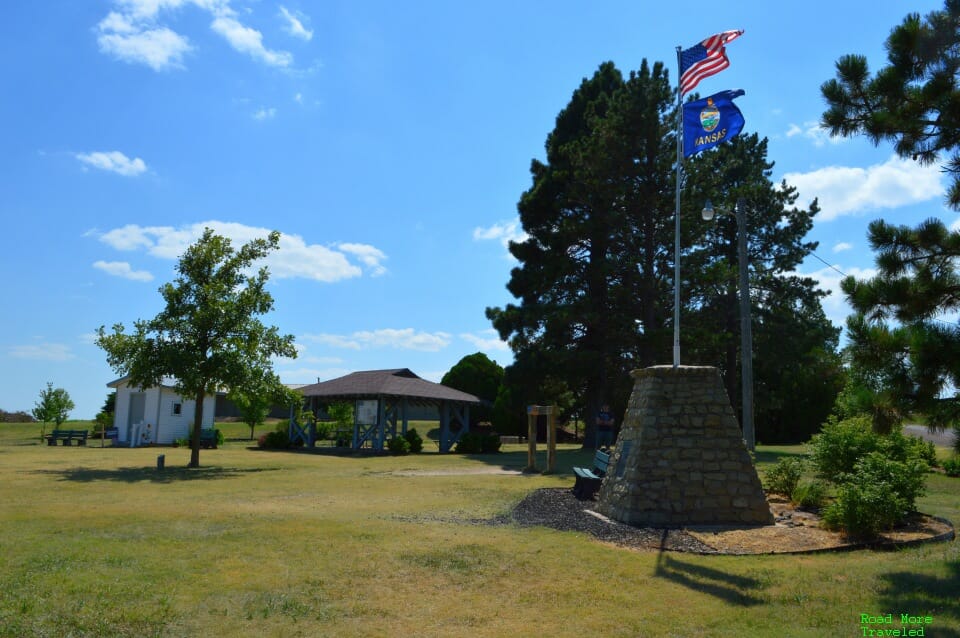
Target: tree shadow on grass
[(149, 474), (731, 588), (925, 594)]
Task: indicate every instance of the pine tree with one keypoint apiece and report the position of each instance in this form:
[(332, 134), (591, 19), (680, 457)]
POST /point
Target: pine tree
[(915, 103), (596, 215)]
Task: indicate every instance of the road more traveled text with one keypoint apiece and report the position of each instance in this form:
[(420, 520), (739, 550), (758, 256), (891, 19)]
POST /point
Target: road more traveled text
[(881, 625)]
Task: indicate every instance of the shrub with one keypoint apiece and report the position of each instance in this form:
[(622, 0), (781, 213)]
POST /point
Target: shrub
[(415, 440), (783, 477), (812, 494), (904, 448), (324, 429), (878, 494), (836, 449), (478, 443), (398, 445), (952, 466), (276, 440)]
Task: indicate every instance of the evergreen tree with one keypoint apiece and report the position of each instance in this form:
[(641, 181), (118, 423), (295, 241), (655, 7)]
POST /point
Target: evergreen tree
[(788, 322), (918, 359), (479, 375), (914, 101), (598, 207)]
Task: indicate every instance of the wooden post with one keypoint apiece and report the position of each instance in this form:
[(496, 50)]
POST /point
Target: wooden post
[(531, 438), (551, 439)]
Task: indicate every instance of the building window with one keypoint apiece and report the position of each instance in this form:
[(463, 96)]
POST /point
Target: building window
[(177, 409)]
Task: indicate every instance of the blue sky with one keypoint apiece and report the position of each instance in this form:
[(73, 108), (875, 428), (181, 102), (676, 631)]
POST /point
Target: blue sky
[(389, 143)]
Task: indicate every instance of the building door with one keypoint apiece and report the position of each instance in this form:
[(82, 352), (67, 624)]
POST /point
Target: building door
[(138, 403)]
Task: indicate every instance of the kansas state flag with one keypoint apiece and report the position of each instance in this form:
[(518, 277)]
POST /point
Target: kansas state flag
[(711, 121)]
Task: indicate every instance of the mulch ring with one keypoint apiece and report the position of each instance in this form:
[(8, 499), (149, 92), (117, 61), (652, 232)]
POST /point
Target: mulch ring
[(796, 531)]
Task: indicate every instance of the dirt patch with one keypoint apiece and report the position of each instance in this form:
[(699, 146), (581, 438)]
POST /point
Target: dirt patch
[(795, 531)]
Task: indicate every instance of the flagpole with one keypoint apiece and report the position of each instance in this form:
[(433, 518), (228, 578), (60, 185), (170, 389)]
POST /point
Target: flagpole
[(676, 245)]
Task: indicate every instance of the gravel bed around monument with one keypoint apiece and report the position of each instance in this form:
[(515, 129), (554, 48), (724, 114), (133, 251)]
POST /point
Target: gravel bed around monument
[(559, 509), (795, 532)]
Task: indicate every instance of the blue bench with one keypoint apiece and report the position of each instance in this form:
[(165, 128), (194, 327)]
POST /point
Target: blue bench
[(588, 480)]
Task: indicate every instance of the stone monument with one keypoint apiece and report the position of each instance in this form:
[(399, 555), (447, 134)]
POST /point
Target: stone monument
[(680, 458)]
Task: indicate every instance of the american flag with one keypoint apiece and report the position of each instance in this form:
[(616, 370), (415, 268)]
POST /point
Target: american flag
[(704, 59)]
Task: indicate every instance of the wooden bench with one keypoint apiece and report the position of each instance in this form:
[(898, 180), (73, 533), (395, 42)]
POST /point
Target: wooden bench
[(588, 481), (67, 437), (113, 434)]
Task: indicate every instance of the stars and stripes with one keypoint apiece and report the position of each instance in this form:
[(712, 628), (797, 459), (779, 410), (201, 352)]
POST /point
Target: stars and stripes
[(705, 59)]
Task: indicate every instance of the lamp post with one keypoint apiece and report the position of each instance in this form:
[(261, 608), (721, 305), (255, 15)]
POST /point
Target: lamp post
[(746, 330)]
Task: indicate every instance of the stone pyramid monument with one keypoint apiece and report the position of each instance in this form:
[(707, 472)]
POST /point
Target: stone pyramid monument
[(680, 458)]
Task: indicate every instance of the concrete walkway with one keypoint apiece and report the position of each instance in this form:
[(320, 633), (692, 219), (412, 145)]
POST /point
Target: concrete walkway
[(942, 438)]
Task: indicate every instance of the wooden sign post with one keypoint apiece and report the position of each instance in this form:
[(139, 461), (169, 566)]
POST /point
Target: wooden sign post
[(533, 411)]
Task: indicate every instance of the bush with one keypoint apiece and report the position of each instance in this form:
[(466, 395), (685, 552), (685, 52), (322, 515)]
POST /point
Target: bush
[(836, 449), (904, 448), (324, 429), (783, 477), (398, 445), (812, 494), (276, 440), (878, 494), (478, 443), (415, 440), (952, 466)]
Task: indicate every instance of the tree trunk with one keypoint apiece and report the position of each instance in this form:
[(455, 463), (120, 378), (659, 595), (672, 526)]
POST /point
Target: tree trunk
[(197, 426)]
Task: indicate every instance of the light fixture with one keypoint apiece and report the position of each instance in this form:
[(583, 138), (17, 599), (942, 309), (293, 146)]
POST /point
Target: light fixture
[(707, 212)]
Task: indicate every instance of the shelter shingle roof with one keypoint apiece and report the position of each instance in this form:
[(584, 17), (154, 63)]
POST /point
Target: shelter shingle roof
[(400, 382)]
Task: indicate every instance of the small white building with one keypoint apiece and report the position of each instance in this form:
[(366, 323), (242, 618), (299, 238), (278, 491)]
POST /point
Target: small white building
[(155, 415)]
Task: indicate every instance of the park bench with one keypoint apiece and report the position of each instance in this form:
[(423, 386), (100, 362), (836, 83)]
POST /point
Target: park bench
[(67, 437), (113, 434), (208, 439), (589, 479)]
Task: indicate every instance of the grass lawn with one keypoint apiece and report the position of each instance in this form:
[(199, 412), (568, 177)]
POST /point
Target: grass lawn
[(97, 542)]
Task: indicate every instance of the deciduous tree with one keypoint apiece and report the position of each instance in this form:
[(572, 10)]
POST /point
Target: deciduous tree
[(208, 336), (54, 406)]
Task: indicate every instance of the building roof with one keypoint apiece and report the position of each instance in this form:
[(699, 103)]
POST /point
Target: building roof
[(392, 383)]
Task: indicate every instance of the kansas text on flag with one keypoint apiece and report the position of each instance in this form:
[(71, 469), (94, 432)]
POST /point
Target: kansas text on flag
[(711, 121)]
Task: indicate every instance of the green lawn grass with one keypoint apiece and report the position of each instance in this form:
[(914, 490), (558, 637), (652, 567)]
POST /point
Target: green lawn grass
[(97, 542)]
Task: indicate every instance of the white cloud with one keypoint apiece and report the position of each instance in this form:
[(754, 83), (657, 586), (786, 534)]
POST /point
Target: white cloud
[(813, 131), (847, 190), (114, 162), (294, 24), (487, 341), (127, 38), (265, 114), (504, 232), (122, 269), (42, 352), (368, 256), (842, 246), (134, 33), (248, 40), (401, 339), (294, 258)]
